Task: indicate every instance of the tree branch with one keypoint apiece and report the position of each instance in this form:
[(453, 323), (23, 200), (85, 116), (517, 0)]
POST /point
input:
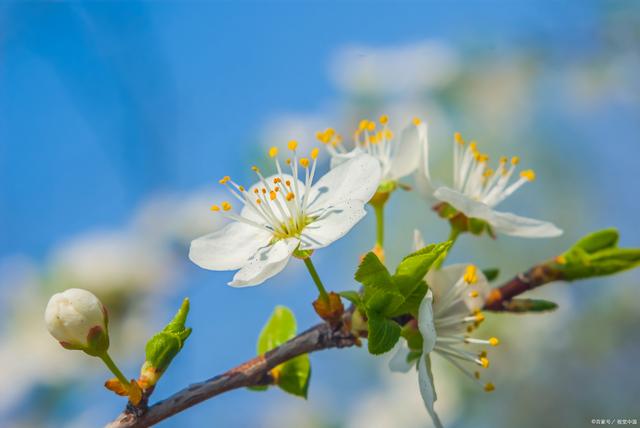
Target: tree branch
[(322, 336)]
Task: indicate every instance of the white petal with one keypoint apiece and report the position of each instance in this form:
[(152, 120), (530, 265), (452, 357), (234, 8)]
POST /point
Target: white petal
[(340, 158), (228, 248), (407, 155), (424, 185), (398, 362), (441, 280), (427, 390), (514, 225), (418, 240), (356, 179), (267, 262), (332, 224), (507, 223), (426, 323)]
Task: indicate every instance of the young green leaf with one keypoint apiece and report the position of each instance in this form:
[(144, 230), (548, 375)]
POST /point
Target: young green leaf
[(529, 305), (599, 240), (491, 273), (415, 266), (383, 333), (373, 275), (292, 376)]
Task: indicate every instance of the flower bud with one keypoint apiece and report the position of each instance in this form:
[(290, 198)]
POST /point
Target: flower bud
[(78, 320)]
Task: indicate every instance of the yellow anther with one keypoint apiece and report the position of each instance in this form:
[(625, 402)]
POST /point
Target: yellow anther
[(290, 196), (515, 160), (272, 195), (363, 124), (258, 201), (293, 144), (416, 121), (388, 134), (473, 146), (288, 161), (330, 132), (215, 208), (488, 173), (371, 126), (489, 387), (304, 162), (264, 191), (320, 137), (384, 119), (493, 341), (484, 362), (241, 188), (373, 139), (288, 183), (314, 153), (226, 206), (276, 180), (255, 169), (273, 152), (224, 180), (479, 317), (458, 138), (256, 191), (276, 189), (471, 274), (481, 157), (469, 328), (503, 160), (474, 294), (528, 175)]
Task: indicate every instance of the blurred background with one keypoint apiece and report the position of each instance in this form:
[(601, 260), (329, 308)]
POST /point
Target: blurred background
[(117, 120)]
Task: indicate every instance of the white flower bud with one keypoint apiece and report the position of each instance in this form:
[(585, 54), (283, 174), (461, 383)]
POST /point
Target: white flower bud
[(78, 320)]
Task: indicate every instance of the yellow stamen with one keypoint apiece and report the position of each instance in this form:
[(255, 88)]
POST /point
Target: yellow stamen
[(215, 208), (371, 126), (256, 191), (384, 119), (479, 317), (416, 121), (226, 206), (255, 169), (258, 201), (489, 387), (241, 188), (224, 180), (473, 146), (493, 341), (388, 134), (528, 175), (293, 144), (314, 153), (290, 196), (363, 124), (503, 159), (272, 195), (474, 293), (276, 180), (264, 191), (288, 161), (458, 138), (488, 173), (515, 160), (273, 152), (484, 362), (304, 162), (470, 274)]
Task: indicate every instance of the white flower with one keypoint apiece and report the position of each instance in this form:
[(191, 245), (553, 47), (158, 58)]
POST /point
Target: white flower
[(449, 312), (282, 213), (74, 317), (397, 158), (477, 189)]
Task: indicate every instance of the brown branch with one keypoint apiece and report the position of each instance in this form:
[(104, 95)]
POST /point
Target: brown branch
[(251, 373), (322, 336)]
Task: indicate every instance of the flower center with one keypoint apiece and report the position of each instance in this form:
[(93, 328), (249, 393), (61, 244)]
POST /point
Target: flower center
[(474, 178), (278, 204)]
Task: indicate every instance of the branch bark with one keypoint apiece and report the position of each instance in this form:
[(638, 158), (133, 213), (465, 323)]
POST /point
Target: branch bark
[(322, 336)]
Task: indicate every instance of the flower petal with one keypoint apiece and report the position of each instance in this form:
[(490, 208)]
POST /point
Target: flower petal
[(423, 182), (355, 179), (228, 248), (426, 323), (427, 390), (266, 262), (406, 157), (340, 158), (441, 280), (507, 223), (332, 224), (418, 240), (398, 362)]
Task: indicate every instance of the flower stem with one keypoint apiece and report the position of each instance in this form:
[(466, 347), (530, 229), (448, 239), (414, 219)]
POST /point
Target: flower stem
[(114, 369), (316, 279), (379, 211), (453, 237)]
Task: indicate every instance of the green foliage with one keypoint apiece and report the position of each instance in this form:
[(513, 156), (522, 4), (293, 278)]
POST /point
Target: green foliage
[(597, 254), (162, 348), (387, 296), (294, 375), (530, 305), (491, 273)]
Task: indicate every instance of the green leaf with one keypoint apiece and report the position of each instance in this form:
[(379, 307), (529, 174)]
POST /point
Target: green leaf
[(529, 305), (163, 347), (491, 273), (415, 266), (599, 240), (412, 301), (372, 274), (280, 327), (413, 336), (383, 333), (594, 255), (354, 297), (294, 375)]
